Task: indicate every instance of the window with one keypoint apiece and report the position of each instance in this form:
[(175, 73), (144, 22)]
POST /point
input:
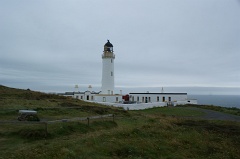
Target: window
[(87, 97), (137, 98), (111, 73), (81, 97), (157, 98), (149, 99), (92, 98), (143, 99), (169, 99), (116, 99), (76, 97), (163, 99), (104, 99)]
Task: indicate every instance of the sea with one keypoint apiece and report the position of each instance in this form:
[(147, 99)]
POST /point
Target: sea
[(218, 100)]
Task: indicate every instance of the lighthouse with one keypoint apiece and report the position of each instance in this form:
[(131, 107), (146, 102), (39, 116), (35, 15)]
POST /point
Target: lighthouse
[(108, 96), (108, 69)]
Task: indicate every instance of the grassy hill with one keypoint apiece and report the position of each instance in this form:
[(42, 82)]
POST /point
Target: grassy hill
[(49, 106), (12, 98), (154, 133)]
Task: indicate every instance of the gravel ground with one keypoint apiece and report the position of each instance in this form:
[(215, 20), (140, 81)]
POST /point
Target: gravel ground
[(215, 115)]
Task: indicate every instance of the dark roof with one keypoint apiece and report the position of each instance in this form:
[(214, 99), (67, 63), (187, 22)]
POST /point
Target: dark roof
[(108, 44), (162, 93), (69, 93), (72, 93)]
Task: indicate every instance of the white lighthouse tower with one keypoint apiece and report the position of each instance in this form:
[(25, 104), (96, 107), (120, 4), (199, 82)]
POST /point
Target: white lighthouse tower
[(108, 69)]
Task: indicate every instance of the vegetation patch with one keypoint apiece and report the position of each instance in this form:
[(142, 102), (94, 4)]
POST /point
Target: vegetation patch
[(152, 133), (127, 151), (173, 111), (62, 129), (32, 133), (228, 110), (217, 127), (103, 124)]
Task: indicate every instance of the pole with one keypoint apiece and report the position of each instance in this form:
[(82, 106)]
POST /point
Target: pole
[(46, 129), (88, 120)]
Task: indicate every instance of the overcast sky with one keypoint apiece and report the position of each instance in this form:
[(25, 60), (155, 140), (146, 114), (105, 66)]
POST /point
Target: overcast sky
[(51, 45)]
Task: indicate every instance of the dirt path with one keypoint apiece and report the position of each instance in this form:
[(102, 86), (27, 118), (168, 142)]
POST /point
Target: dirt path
[(215, 115)]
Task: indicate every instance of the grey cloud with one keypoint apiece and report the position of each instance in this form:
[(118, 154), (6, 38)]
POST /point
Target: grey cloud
[(157, 43)]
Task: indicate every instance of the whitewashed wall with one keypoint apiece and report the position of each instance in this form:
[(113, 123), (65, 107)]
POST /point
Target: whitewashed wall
[(153, 97), (108, 98), (138, 106), (84, 96), (107, 75)]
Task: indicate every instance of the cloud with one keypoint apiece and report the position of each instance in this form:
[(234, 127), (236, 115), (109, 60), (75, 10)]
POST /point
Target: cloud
[(157, 43)]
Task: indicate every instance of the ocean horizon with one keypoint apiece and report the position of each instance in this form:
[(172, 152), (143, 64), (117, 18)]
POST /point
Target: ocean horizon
[(217, 100)]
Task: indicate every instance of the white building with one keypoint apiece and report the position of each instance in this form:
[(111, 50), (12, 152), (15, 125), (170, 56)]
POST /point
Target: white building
[(108, 69), (107, 95), (88, 95), (167, 98), (107, 89)]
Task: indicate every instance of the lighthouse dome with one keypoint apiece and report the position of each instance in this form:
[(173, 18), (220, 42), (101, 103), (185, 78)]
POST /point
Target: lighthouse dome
[(108, 44)]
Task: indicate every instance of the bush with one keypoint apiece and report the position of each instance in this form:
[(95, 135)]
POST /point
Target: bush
[(32, 134)]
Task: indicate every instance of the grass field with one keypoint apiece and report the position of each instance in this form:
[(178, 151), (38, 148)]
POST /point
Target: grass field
[(176, 111), (228, 110), (153, 133)]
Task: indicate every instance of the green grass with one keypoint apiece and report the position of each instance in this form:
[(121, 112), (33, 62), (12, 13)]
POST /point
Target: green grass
[(49, 106), (166, 137), (176, 111), (228, 110), (152, 133)]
